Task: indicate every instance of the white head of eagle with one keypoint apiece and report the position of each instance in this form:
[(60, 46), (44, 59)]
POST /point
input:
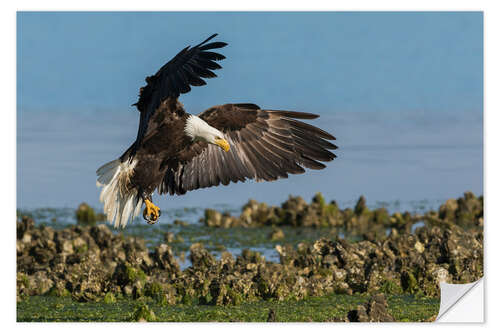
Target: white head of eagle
[(198, 130)]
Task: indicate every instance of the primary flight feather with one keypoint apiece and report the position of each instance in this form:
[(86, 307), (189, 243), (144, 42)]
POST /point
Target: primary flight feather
[(176, 152)]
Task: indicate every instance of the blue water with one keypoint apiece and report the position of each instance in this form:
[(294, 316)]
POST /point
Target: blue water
[(402, 92), (390, 161)]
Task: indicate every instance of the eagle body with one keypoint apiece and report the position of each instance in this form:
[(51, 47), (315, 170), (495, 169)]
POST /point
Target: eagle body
[(161, 148), (176, 152)]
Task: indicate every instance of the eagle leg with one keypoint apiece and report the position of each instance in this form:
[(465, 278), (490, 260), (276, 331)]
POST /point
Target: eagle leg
[(151, 213)]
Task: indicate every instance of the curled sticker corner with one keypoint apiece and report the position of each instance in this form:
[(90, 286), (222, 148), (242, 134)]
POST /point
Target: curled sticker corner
[(451, 294)]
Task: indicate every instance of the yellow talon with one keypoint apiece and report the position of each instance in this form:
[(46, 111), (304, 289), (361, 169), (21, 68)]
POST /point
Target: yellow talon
[(151, 213)]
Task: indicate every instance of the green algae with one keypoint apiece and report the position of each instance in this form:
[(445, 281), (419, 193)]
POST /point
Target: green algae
[(109, 298), (143, 313), (331, 307)]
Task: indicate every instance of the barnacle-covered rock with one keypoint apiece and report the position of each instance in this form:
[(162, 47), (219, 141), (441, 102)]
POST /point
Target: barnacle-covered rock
[(92, 262), (375, 310)]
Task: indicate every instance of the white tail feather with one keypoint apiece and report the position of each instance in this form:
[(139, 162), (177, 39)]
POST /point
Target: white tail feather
[(121, 204)]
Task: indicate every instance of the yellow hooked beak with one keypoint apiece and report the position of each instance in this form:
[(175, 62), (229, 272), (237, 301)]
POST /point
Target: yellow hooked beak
[(222, 143)]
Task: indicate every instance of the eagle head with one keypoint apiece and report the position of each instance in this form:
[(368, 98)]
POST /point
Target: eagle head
[(198, 130)]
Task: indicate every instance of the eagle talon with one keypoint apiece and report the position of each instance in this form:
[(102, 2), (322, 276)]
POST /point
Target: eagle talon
[(151, 213)]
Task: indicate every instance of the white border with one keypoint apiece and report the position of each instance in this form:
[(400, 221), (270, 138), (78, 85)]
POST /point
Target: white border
[(492, 109)]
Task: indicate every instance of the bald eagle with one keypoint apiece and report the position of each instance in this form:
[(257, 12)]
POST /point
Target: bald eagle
[(176, 152)]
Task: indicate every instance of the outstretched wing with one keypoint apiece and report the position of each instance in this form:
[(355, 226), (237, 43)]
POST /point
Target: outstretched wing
[(265, 145), (176, 77)]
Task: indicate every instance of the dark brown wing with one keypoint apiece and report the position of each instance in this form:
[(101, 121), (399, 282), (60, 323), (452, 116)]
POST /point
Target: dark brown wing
[(176, 77), (265, 145)]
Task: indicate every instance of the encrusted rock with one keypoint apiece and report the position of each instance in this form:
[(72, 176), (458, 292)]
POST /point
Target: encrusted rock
[(91, 262), (169, 237), (200, 257), (277, 234), (86, 215), (375, 310), (271, 316), (419, 247)]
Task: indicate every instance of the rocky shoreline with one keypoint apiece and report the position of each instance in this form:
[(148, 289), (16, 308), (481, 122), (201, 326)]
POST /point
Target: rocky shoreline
[(466, 212), (91, 263)]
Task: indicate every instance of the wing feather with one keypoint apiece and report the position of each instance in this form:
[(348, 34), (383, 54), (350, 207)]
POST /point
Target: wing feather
[(261, 170), (176, 77)]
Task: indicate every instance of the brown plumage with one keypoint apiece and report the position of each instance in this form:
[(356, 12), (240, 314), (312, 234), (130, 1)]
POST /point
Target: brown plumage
[(265, 145)]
